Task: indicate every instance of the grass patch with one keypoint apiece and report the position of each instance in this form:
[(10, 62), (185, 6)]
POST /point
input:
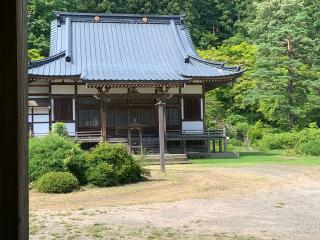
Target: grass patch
[(256, 158)]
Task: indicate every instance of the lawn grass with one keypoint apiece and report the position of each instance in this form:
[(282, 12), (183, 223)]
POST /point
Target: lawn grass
[(260, 157)]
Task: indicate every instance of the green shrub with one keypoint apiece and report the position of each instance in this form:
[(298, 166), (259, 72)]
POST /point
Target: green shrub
[(54, 153), (60, 129), (258, 131), (286, 140), (311, 148), (289, 140), (111, 165), (57, 182), (103, 175), (235, 142)]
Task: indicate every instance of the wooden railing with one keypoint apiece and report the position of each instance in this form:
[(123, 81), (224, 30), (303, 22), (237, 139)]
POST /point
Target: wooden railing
[(87, 136), (216, 133)]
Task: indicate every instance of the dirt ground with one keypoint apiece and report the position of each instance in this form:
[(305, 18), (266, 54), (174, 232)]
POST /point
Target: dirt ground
[(189, 202)]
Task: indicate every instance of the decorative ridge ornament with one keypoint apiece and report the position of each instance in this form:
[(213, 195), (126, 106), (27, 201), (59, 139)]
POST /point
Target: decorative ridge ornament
[(145, 19)]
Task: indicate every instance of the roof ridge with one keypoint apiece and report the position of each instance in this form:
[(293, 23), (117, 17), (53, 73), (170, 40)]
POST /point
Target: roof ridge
[(81, 14)]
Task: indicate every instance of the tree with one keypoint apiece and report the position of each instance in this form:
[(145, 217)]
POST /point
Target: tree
[(287, 71), (223, 102)]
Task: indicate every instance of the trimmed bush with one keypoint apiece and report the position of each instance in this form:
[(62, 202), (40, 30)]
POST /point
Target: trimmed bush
[(111, 165), (54, 153), (311, 148), (57, 182)]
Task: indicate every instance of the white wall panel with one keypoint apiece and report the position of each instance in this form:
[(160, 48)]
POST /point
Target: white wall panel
[(40, 90), (118, 90), (82, 89), (174, 90), (41, 128), (43, 110), (146, 90), (41, 118), (62, 89), (192, 126), (192, 89)]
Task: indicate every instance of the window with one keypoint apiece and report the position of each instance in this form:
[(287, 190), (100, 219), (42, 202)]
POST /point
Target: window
[(89, 118), (192, 108), (63, 109), (173, 117), (88, 113)]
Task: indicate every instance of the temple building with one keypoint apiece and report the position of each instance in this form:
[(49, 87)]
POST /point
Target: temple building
[(132, 79)]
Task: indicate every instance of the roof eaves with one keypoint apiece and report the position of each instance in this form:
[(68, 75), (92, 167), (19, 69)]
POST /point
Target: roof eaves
[(38, 63), (217, 64), (230, 76)]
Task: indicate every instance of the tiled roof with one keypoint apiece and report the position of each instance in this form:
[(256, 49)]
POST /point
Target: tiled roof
[(124, 48)]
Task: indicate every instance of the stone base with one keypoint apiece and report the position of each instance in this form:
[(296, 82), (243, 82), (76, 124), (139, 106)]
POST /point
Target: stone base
[(197, 155)]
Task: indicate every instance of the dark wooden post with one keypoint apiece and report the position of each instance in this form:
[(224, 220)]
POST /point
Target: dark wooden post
[(220, 145), (161, 135), (213, 145), (13, 122), (103, 113), (129, 140), (50, 106), (225, 140), (32, 121)]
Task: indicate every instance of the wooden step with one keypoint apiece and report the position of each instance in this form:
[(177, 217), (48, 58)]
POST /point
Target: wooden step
[(169, 158)]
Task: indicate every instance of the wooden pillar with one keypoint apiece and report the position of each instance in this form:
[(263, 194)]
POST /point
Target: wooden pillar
[(141, 144), (220, 145), (225, 149), (225, 140), (103, 113), (165, 126), (213, 146), (50, 106), (208, 146), (13, 122), (32, 121), (161, 135), (129, 140)]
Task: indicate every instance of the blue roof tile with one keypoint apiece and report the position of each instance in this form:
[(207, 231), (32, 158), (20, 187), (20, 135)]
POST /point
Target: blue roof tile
[(123, 47)]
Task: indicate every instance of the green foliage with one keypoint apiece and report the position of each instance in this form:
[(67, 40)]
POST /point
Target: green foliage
[(60, 129), (34, 54), (103, 175), (290, 140), (311, 148), (235, 142), (287, 140), (258, 131), (55, 153), (111, 165), (287, 66), (57, 182)]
